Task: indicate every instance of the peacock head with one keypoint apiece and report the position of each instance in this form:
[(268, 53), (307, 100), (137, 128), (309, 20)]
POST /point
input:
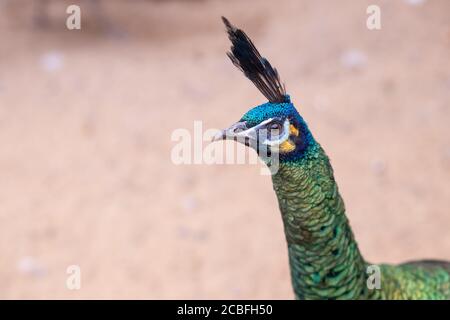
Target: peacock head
[(272, 127)]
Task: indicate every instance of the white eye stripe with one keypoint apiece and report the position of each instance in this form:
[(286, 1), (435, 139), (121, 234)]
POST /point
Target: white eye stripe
[(282, 138), (248, 132), (252, 133)]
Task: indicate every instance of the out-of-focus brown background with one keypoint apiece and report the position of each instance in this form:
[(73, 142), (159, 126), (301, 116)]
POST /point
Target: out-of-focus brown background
[(85, 132)]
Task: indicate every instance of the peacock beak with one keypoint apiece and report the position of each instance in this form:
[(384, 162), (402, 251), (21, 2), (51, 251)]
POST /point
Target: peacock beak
[(236, 132), (220, 135)]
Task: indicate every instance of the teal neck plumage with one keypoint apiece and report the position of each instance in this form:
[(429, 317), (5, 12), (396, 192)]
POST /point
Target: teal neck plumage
[(324, 258)]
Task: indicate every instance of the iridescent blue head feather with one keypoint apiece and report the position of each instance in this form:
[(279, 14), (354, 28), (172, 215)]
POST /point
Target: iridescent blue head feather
[(275, 126), (299, 135)]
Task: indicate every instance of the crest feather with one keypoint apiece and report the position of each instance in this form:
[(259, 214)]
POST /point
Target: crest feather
[(246, 57)]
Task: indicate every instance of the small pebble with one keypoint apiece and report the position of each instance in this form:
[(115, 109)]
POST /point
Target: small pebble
[(415, 2), (189, 203), (52, 61), (29, 266), (353, 59)]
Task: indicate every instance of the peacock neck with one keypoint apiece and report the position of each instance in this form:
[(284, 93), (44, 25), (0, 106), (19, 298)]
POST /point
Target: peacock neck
[(324, 258)]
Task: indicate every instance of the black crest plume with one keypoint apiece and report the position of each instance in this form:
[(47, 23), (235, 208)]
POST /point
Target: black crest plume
[(246, 57)]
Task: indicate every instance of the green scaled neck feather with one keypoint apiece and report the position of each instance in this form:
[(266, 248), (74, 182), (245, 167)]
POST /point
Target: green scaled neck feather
[(324, 257)]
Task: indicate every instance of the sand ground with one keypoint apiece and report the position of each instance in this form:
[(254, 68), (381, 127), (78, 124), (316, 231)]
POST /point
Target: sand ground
[(86, 119)]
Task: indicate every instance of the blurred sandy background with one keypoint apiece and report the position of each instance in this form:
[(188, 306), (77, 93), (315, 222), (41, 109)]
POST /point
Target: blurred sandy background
[(86, 119)]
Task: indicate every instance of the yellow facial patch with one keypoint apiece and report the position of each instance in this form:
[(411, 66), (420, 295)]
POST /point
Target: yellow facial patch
[(288, 145), (293, 130)]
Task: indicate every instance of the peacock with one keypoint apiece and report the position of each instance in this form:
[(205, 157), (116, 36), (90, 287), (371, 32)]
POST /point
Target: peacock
[(324, 259)]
